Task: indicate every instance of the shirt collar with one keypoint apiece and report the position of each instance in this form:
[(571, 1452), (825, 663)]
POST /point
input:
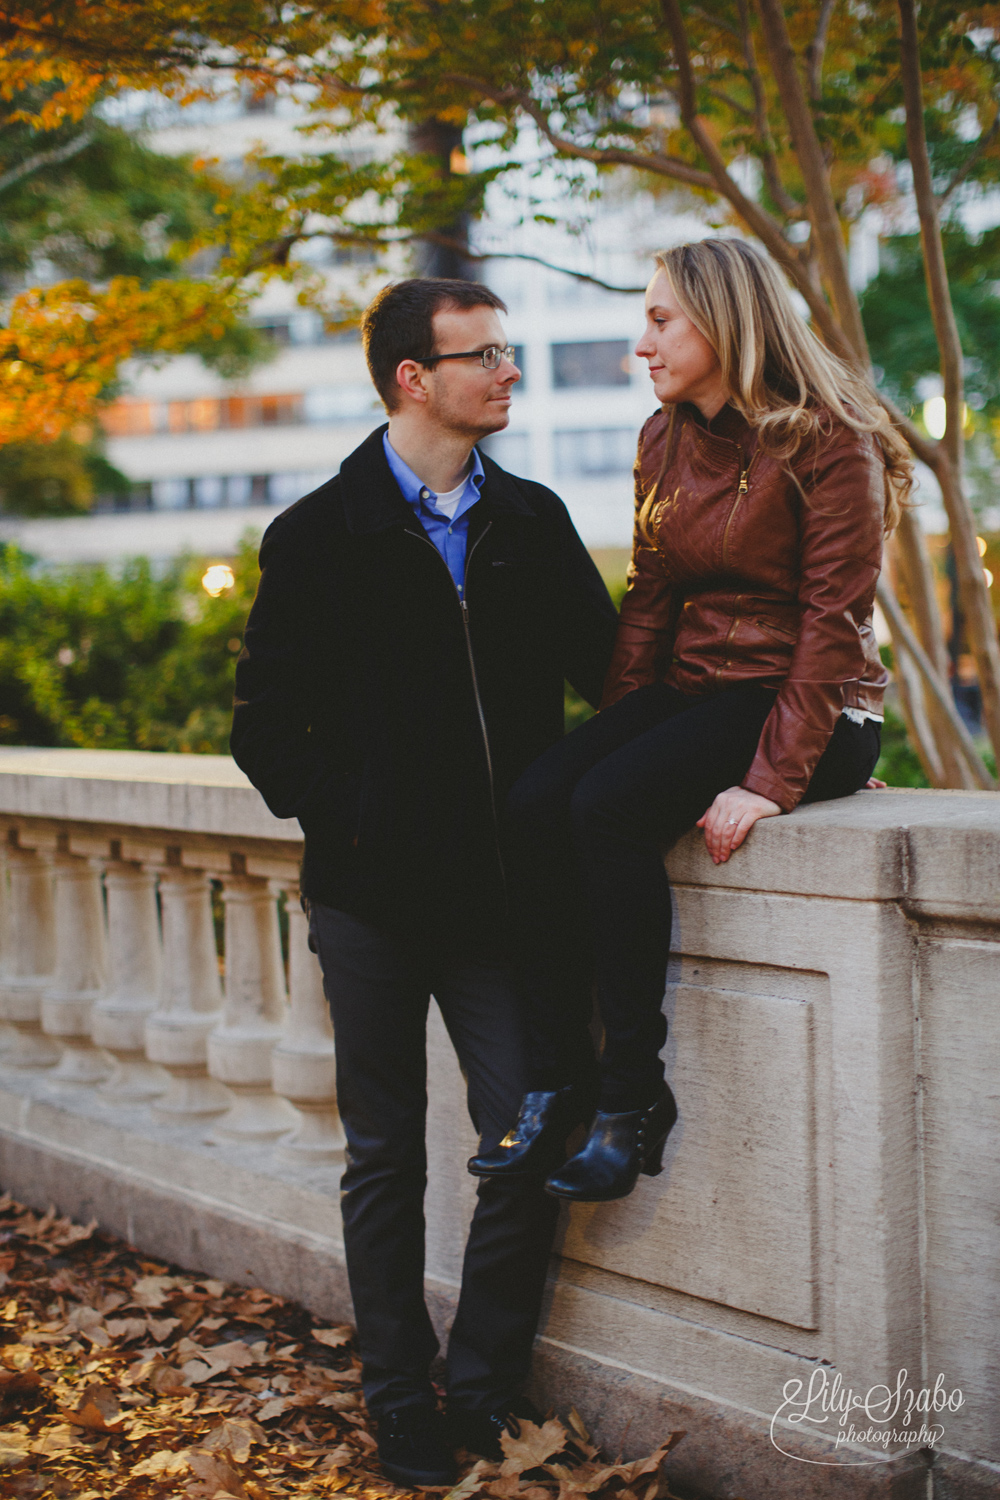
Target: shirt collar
[(415, 492)]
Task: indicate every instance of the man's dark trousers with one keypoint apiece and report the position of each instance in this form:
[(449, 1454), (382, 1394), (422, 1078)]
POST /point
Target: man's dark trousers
[(379, 989)]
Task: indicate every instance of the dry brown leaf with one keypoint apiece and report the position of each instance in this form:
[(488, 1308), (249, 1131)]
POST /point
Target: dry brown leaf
[(164, 1378), (476, 1480), (12, 1382), (151, 1291), (215, 1476), (57, 1440), (235, 1436), (275, 1408), (14, 1447), (342, 1457), (126, 1329), (334, 1338), (160, 1329), (630, 1472), (99, 1409), (532, 1446), (165, 1461)]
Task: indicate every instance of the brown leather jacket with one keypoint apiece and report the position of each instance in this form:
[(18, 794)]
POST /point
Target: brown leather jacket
[(752, 575)]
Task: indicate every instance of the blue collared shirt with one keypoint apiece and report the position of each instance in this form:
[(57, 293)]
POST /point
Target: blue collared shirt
[(449, 536)]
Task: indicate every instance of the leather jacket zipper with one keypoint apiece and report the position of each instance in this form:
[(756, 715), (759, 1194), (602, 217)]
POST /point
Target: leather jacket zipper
[(741, 490), (464, 609)]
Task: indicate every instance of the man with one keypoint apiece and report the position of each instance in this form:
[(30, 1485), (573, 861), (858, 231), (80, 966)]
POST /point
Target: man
[(403, 663)]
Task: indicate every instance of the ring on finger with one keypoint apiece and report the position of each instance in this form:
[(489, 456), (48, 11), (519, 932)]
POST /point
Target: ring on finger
[(733, 822)]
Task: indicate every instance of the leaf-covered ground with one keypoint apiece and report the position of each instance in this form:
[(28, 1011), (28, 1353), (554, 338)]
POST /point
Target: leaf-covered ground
[(122, 1376)]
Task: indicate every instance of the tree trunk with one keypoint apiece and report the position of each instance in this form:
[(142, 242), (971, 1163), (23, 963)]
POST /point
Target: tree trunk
[(948, 466), (918, 581), (439, 139)]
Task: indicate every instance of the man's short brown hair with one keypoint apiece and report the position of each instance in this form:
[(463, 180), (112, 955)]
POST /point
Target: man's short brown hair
[(398, 324)]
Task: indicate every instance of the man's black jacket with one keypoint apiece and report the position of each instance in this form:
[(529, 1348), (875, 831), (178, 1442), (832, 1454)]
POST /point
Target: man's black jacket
[(391, 721)]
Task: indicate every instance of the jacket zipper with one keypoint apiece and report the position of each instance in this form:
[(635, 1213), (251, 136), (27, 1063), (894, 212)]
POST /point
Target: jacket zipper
[(741, 490), (464, 608)]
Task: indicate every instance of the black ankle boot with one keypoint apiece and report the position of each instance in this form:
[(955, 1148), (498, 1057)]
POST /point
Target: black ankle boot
[(537, 1142), (618, 1148)]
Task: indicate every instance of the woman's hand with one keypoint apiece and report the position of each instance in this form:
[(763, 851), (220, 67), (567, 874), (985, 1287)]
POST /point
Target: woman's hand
[(730, 818)]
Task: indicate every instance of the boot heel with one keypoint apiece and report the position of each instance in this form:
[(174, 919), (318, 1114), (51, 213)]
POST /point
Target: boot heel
[(652, 1162)]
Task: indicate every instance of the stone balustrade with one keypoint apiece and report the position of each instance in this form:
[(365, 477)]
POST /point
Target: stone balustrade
[(828, 1208)]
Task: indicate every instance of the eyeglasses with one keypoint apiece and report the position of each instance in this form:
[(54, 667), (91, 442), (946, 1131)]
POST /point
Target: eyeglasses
[(489, 358)]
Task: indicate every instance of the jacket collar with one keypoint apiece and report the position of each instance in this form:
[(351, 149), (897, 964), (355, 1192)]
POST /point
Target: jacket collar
[(373, 501), (727, 423)]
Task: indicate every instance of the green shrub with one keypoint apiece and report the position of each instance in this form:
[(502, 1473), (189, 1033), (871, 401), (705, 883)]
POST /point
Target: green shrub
[(94, 658)]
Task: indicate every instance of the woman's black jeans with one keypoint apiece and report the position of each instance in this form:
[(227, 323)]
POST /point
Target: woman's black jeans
[(586, 828)]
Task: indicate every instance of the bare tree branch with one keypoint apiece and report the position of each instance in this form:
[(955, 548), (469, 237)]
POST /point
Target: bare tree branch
[(734, 104), (769, 160), (479, 256), (45, 159), (948, 468), (817, 48), (986, 139), (713, 20), (613, 156)]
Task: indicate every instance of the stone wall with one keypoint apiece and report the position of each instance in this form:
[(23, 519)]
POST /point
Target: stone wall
[(828, 1214)]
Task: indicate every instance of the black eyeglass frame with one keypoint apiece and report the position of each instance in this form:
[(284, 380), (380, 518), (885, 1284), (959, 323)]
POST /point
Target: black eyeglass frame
[(480, 354)]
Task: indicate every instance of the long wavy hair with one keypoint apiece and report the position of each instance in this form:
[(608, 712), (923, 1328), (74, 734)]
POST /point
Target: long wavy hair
[(776, 372)]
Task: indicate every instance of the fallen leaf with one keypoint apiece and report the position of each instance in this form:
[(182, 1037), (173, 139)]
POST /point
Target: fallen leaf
[(334, 1338), (216, 1477), (473, 1482), (342, 1457), (14, 1381), (127, 1329), (14, 1448), (234, 1435), (99, 1409), (151, 1291), (161, 1328), (532, 1446), (164, 1461), (273, 1408), (57, 1440)]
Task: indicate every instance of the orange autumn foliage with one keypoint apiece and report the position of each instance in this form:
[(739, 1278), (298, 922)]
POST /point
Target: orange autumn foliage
[(63, 344)]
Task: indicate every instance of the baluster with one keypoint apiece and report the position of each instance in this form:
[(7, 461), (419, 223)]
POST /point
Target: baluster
[(8, 1033), (190, 997), (303, 1063), (78, 980), (239, 1050), (120, 1015), (32, 957)]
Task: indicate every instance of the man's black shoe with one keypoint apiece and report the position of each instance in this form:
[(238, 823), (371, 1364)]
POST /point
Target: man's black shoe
[(480, 1432), (412, 1447)]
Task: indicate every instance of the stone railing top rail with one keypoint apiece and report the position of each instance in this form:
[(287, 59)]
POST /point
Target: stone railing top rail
[(937, 851), (204, 794)]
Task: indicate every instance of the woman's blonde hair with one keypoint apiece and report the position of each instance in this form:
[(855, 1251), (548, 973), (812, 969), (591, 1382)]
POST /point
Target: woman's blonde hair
[(776, 372)]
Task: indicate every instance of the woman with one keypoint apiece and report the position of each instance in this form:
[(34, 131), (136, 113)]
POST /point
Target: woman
[(745, 680)]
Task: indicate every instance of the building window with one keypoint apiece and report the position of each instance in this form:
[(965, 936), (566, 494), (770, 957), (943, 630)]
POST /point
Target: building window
[(341, 403), (592, 452), (511, 450), (601, 363)]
